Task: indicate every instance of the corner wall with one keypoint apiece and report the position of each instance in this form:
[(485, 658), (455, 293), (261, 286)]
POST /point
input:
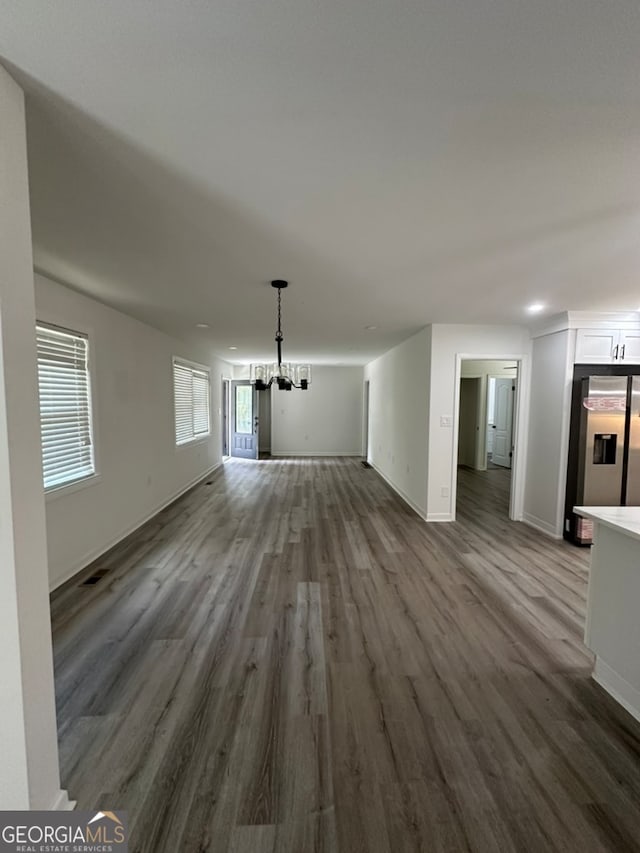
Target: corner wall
[(29, 772), (550, 410), (140, 469), (399, 383)]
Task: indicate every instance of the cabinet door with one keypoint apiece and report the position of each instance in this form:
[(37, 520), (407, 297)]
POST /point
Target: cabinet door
[(597, 346), (629, 348)]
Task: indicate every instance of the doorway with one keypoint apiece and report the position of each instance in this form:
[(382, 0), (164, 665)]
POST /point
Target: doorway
[(487, 397), (469, 431), (225, 418), (365, 422), (264, 421)]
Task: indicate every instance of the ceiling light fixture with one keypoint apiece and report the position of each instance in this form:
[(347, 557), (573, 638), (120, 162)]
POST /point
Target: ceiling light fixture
[(233, 347), (202, 325), (370, 328), (285, 374), (536, 307)]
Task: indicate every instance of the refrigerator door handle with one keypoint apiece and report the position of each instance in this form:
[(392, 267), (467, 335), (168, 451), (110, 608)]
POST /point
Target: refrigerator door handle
[(622, 352), (615, 352)]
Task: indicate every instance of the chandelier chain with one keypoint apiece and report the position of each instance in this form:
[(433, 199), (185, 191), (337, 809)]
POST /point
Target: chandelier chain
[(279, 312)]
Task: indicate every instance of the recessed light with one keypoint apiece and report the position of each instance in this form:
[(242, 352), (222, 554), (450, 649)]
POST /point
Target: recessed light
[(370, 328), (536, 307), (202, 325), (233, 347)]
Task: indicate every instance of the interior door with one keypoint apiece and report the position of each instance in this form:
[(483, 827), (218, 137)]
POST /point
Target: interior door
[(468, 425), (244, 420), (503, 425)]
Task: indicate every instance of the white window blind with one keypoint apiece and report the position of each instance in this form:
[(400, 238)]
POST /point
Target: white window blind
[(191, 392), (65, 406)]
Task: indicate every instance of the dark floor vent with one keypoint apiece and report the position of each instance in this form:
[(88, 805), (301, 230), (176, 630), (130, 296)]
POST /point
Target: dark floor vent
[(95, 577), (365, 464)]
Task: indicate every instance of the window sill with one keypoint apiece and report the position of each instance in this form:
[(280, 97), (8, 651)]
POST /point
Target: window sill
[(194, 442), (70, 488)]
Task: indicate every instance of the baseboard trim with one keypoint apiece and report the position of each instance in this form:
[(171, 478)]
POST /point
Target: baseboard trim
[(439, 516), (316, 453), (89, 558), (618, 687), (62, 803), (542, 526), (414, 506)]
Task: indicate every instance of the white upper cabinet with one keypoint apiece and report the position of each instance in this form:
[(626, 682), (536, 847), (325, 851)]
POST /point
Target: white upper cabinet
[(596, 346), (607, 346), (630, 347)]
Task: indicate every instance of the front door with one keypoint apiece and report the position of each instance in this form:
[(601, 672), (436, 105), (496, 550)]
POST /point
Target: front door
[(244, 424), (503, 425)]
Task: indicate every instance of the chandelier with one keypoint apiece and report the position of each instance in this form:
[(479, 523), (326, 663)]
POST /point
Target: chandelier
[(285, 374)]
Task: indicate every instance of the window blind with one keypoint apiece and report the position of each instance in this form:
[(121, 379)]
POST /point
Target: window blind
[(65, 406), (191, 393)]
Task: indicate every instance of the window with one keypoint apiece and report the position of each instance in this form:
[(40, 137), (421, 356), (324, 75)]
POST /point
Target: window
[(244, 404), (65, 406), (191, 393)]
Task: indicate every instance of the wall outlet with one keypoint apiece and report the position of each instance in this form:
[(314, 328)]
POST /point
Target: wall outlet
[(444, 492)]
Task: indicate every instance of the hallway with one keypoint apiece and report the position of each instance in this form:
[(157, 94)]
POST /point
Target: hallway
[(289, 659)]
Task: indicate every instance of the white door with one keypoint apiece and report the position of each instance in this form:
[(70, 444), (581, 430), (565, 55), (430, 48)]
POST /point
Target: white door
[(503, 426)]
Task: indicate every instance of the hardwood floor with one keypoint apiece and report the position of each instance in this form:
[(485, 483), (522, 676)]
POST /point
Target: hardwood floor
[(288, 659)]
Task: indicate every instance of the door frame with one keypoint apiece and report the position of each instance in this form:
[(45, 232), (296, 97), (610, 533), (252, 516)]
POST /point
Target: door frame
[(520, 434)]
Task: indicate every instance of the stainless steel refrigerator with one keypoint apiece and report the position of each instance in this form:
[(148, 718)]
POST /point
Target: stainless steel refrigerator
[(608, 458)]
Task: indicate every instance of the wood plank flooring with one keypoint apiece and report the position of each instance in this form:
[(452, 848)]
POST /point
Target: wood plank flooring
[(288, 659)]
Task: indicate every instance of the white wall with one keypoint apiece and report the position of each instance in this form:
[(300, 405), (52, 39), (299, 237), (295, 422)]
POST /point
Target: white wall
[(447, 343), (29, 775), (550, 403), (484, 367), (325, 420), (140, 469), (398, 417)]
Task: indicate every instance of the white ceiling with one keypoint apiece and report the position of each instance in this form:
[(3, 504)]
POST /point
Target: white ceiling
[(400, 163)]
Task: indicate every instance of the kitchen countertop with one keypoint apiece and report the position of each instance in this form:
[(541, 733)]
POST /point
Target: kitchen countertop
[(625, 519)]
